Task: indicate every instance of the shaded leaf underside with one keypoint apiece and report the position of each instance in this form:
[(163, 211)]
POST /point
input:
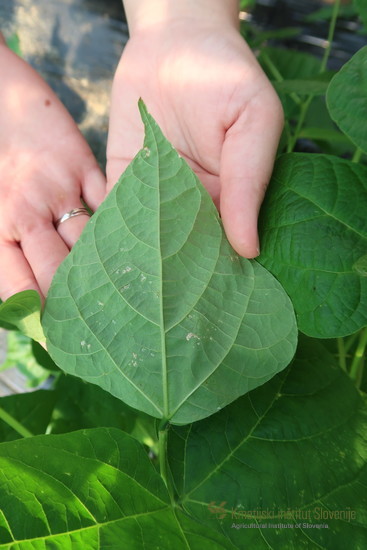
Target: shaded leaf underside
[(154, 306)]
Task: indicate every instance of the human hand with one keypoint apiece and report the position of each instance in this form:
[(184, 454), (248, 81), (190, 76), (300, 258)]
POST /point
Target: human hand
[(46, 167), (207, 92)]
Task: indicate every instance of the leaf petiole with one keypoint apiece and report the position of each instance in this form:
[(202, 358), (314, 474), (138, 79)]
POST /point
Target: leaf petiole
[(13, 423), (278, 77), (306, 104), (330, 37), (357, 155), (162, 450), (358, 358), (342, 354), (163, 462)]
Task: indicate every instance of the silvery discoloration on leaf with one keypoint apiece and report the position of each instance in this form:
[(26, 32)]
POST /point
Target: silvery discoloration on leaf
[(157, 259)]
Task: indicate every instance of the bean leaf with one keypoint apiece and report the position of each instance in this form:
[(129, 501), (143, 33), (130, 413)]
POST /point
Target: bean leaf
[(284, 466), (314, 240), (152, 303), (347, 100), (23, 311), (93, 489)]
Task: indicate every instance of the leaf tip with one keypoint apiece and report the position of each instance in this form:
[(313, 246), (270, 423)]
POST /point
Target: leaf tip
[(142, 108)]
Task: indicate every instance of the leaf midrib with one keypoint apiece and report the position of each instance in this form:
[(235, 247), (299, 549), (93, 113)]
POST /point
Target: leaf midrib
[(105, 349), (324, 210), (147, 122), (243, 440)]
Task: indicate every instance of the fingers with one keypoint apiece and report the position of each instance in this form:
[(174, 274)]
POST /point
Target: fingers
[(15, 272), (70, 230), (94, 187), (57, 243), (93, 192), (247, 161), (32, 263), (44, 250), (115, 167)]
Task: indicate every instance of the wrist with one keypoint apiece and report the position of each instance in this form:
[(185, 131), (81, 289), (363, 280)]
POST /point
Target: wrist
[(149, 14)]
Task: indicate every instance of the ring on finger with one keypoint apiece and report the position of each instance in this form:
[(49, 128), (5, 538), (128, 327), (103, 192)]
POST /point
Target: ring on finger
[(81, 211)]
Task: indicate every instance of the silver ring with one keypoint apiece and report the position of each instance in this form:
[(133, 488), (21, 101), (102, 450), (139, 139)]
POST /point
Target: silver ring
[(71, 214)]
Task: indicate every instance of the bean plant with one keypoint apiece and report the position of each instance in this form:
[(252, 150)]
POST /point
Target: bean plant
[(201, 400)]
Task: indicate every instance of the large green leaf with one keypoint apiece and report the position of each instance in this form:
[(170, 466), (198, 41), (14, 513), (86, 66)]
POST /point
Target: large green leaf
[(22, 311), (92, 490), (291, 452), (347, 99), (153, 304), (314, 237)]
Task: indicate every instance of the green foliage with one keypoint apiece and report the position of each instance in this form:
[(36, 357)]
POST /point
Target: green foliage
[(314, 240), (13, 42), (347, 100), (42, 357), (302, 87), (99, 490), (154, 308), (168, 318), (30, 410), (246, 4), (361, 7), (325, 13), (97, 487), (280, 451), (283, 65), (23, 311)]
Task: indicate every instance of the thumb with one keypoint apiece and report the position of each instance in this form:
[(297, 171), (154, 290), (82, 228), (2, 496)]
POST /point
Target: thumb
[(114, 169), (247, 160)]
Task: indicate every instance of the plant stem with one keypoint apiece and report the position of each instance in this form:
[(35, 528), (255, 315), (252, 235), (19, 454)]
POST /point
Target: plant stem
[(277, 76), (359, 355), (306, 104), (301, 119), (163, 462), (13, 423), (342, 354), (348, 343), (162, 450), (162, 447), (330, 37), (357, 155), (360, 373)]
